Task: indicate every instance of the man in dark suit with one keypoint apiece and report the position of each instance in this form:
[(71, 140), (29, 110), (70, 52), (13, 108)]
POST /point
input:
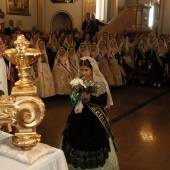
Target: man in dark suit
[(96, 24), (66, 27), (87, 25), (11, 29)]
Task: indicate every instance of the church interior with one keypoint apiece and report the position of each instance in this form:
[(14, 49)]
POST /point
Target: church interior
[(140, 116), (139, 120)]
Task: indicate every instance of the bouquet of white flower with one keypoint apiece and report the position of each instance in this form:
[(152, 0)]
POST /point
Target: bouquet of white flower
[(78, 86)]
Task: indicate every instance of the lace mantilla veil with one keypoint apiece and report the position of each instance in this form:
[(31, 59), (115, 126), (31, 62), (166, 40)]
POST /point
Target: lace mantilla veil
[(98, 77)]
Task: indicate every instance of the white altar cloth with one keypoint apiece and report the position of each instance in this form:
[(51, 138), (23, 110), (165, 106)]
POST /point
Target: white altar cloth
[(53, 161)]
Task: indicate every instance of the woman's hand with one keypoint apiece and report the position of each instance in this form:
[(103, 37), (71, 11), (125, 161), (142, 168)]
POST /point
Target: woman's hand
[(86, 96)]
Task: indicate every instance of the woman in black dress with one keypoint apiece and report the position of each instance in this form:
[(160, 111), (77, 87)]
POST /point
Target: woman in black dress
[(87, 139), (159, 63), (51, 49)]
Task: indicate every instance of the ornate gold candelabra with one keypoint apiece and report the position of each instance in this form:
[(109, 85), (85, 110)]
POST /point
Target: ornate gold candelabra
[(23, 109)]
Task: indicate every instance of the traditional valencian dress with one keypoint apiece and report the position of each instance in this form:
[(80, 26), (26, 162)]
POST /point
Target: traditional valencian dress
[(62, 73), (105, 64), (73, 61), (34, 40), (94, 53), (87, 140), (44, 80), (105, 38), (115, 65), (159, 63), (69, 41), (127, 61), (51, 49), (87, 41), (142, 61), (83, 50)]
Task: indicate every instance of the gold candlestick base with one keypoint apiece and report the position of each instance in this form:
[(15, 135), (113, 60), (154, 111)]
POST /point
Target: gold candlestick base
[(25, 141)]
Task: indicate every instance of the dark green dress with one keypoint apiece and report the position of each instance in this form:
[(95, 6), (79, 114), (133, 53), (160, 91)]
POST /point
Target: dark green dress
[(86, 143)]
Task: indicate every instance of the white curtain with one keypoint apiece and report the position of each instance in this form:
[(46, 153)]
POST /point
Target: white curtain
[(100, 9)]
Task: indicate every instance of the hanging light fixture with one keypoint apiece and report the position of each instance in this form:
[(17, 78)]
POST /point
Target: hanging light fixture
[(63, 1), (67, 1)]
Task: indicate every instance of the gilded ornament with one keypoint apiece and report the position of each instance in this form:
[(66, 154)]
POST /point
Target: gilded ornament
[(23, 108)]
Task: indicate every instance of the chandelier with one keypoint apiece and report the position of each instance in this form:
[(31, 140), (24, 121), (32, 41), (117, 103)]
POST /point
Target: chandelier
[(63, 1), (68, 1)]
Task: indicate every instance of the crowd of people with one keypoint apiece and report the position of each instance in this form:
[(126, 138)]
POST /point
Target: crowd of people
[(145, 60), (111, 61)]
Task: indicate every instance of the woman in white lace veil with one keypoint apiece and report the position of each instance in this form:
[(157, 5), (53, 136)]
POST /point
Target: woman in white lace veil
[(69, 41), (82, 50), (153, 40), (127, 60), (73, 60), (98, 77), (51, 49), (125, 49), (105, 39), (61, 72), (94, 53), (87, 140), (115, 64), (33, 40), (142, 60), (42, 75), (105, 64), (159, 63), (87, 41)]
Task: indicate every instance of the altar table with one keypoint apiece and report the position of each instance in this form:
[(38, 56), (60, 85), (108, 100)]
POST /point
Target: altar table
[(53, 161)]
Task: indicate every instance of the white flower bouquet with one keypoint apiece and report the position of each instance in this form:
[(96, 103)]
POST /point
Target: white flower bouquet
[(78, 86)]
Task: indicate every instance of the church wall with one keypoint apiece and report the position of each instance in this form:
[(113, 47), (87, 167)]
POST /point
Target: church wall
[(163, 22), (132, 2), (24, 22), (74, 10)]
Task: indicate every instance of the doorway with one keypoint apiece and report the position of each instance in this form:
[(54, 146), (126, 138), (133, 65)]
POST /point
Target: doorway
[(59, 18)]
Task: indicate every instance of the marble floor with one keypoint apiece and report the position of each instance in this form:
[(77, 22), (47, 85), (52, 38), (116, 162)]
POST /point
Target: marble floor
[(140, 120)]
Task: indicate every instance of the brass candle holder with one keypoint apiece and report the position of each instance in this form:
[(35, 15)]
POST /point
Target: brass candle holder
[(23, 108)]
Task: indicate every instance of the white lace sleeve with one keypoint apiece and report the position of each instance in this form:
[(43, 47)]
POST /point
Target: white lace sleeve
[(101, 88)]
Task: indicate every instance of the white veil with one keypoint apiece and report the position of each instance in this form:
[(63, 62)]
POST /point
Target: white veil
[(98, 77)]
